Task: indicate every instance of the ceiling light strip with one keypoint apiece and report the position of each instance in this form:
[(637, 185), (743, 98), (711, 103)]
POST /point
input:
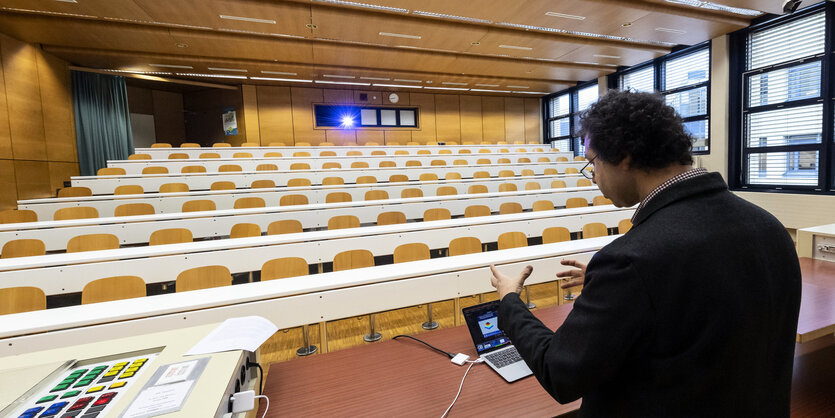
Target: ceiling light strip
[(349, 83), (239, 77), (276, 72), (446, 88), (338, 76), (237, 70), (247, 19), (186, 67), (375, 78), (292, 80), (397, 86), (451, 17), (565, 16), (364, 5), (523, 48), (399, 35), (403, 80)]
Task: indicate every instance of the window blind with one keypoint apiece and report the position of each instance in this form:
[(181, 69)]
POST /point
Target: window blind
[(787, 42), (641, 80)]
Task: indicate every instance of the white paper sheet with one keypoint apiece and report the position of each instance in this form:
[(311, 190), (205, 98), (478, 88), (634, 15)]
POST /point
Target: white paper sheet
[(244, 333), (159, 399)]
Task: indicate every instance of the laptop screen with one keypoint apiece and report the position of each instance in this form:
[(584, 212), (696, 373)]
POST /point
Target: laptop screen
[(483, 323)]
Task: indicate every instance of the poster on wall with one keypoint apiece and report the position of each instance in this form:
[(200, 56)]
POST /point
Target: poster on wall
[(230, 122)]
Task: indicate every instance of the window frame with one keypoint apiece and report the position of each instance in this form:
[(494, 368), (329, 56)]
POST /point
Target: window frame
[(378, 110), (572, 113)]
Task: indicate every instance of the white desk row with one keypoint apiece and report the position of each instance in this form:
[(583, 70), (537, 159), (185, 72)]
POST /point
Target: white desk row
[(133, 230), (203, 181), (228, 152), (318, 163), (225, 199), (290, 302)]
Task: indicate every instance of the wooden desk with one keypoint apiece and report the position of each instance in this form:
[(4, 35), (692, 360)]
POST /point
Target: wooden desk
[(818, 272), (817, 303), (405, 378)]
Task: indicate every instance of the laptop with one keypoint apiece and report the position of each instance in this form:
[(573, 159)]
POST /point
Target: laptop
[(492, 344)]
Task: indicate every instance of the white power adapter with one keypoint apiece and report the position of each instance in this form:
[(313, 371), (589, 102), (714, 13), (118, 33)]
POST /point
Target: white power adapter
[(460, 359), (243, 401)]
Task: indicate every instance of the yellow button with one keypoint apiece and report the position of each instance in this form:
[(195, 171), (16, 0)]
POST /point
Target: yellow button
[(122, 364), (117, 385), (131, 369), (126, 374), (111, 373), (95, 389), (142, 360)]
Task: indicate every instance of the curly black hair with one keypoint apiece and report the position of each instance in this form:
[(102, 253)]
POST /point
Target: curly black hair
[(639, 125)]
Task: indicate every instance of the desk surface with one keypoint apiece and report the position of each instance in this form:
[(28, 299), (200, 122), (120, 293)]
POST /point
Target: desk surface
[(817, 304), (360, 381)]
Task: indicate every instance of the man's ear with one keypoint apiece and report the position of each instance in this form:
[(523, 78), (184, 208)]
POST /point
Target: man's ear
[(625, 164)]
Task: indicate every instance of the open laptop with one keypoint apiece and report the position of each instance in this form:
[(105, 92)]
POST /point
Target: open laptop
[(492, 344)]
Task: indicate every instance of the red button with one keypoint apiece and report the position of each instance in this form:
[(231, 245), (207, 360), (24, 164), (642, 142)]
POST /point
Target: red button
[(101, 401), (81, 403)]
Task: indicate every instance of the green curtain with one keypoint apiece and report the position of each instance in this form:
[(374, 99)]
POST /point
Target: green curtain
[(102, 120)]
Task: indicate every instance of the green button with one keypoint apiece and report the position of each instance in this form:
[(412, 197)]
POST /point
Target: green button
[(100, 367), (61, 386), (82, 383), (70, 394), (68, 381), (78, 372), (47, 398)]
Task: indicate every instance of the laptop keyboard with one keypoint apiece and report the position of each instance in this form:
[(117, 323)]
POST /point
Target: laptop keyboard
[(504, 357)]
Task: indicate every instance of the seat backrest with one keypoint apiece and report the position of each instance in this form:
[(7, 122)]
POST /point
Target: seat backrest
[(286, 226), (481, 161), (244, 230), (481, 175), (302, 144), (555, 234), (332, 181), (477, 188), (227, 168), (173, 187), (436, 214), (282, 268), (459, 162), (77, 212), (510, 207), (371, 144), (376, 195), (428, 177), (134, 209), (23, 248), (325, 144), (273, 154), (601, 200), (401, 152), (366, 179), (503, 161), (299, 182), (222, 185), (21, 299), (178, 156), (509, 187), (624, 226), (408, 193), (92, 242), (476, 210), (170, 236), (209, 155), (558, 184), (444, 151), (484, 151), (464, 245), (293, 200), (452, 175), (337, 197), (359, 164), (199, 205), (160, 145), (250, 144), (543, 160), (300, 166), (391, 218), (278, 144), (550, 172), (524, 160), (540, 205), (75, 192), (331, 165), (595, 229), (353, 259), (193, 169), (203, 278), (411, 252), (446, 191), (576, 202), (398, 178), (327, 154), (343, 222), (387, 164), (262, 184), (13, 216), (583, 183), (532, 185), (266, 167), (113, 171), (437, 163), (242, 155), (579, 158), (507, 173), (189, 145), (250, 202), (129, 189), (139, 157), (571, 170), (221, 145), (464, 151), (424, 152), (113, 288), (413, 143), (512, 240), (413, 163), (562, 159)]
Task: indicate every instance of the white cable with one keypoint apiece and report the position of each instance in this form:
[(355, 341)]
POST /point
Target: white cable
[(461, 386), (267, 408)]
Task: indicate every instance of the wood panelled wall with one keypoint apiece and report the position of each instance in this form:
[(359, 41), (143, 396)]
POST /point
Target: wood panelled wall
[(285, 114), (37, 127)]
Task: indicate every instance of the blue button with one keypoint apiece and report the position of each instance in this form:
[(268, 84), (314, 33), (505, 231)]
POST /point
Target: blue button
[(54, 409)]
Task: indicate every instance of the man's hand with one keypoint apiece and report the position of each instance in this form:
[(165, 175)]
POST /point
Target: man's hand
[(576, 277), (506, 284)]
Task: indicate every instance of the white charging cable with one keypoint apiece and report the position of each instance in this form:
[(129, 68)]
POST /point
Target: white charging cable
[(266, 408), (461, 386)]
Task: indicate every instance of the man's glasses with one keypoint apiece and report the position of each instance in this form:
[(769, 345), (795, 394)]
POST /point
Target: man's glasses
[(589, 174)]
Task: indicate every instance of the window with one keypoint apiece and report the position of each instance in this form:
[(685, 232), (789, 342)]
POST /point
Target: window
[(563, 111), (353, 117), (781, 140)]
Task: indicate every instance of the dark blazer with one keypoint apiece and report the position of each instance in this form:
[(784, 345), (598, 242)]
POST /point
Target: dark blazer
[(692, 313)]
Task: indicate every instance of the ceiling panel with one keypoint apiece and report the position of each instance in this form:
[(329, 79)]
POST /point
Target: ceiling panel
[(675, 29)]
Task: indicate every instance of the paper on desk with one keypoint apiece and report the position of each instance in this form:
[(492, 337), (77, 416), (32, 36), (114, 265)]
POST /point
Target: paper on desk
[(244, 333), (158, 400)]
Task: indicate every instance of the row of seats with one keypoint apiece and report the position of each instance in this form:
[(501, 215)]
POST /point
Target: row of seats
[(327, 144), (23, 299), (273, 154), (95, 242)]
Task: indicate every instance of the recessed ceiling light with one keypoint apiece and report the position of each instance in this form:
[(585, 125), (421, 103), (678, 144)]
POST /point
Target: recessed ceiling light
[(586, 63), (337, 76), (491, 91), (668, 30), (606, 56), (399, 35), (626, 24), (375, 78), (238, 70), (523, 48), (181, 45), (476, 43), (187, 67), (487, 85), (519, 87), (341, 82), (276, 72), (398, 86), (453, 84), (563, 15), (403, 80), (445, 88), (240, 77), (248, 19), (294, 80)]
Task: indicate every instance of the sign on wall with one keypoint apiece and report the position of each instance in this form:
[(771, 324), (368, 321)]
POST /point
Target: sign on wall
[(230, 121)]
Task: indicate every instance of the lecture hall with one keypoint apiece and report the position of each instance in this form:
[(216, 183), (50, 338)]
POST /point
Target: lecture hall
[(377, 208)]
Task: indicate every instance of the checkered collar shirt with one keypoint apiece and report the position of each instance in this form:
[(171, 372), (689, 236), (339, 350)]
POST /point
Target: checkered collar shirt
[(689, 174)]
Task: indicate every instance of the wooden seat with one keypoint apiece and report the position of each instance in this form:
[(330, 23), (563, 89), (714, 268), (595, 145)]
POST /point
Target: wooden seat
[(359, 164), (550, 172), (250, 144), (452, 176), (331, 165), (203, 278), (484, 151), (22, 248), (300, 166), (584, 183), (444, 151), (595, 229), (477, 210), (134, 209), (558, 184), (75, 192), (572, 170), (624, 226), (413, 163), (277, 144), (221, 145), (555, 234), (561, 160), (483, 161), (170, 236), (523, 160), (376, 195), (229, 168), (416, 251), (244, 230), (21, 299), (343, 222), (129, 189), (326, 144), (464, 151), (459, 162), (424, 152), (287, 226), (437, 163), (209, 155), (532, 185), (371, 144), (333, 181), (464, 245), (327, 154), (193, 169), (446, 191), (338, 197), (576, 202), (242, 155), (299, 182), (510, 207), (366, 180), (509, 187), (273, 154), (477, 188), (391, 218), (600, 200), (301, 154), (173, 188), (579, 158), (189, 145), (113, 288), (503, 161), (112, 171), (139, 157), (78, 212), (512, 240), (481, 175), (401, 152), (527, 172), (353, 259), (161, 145), (13, 216), (199, 205), (436, 214), (293, 200), (543, 160), (507, 173), (428, 177), (282, 268), (178, 156), (410, 193), (92, 242), (266, 167), (302, 144), (222, 185), (250, 202), (262, 184), (398, 178), (541, 205), (378, 152)]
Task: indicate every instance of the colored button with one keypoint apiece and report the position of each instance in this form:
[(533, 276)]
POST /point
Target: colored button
[(54, 409), (102, 401), (47, 398), (78, 372), (95, 389), (120, 364), (82, 383), (81, 403), (32, 411), (60, 387), (70, 394), (132, 369), (102, 367), (126, 374), (118, 385), (142, 360)]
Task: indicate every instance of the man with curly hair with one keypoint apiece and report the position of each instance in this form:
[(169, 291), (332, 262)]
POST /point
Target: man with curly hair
[(693, 312)]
